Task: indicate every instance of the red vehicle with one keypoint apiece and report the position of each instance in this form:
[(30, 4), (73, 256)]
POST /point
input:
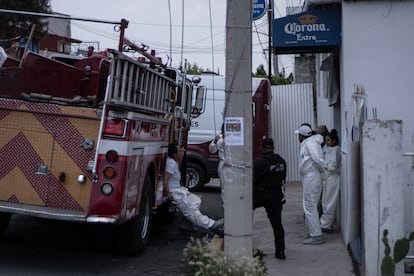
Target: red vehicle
[(201, 164), (87, 142)]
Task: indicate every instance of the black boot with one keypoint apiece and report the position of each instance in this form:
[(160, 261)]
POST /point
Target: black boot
[(280, 254)]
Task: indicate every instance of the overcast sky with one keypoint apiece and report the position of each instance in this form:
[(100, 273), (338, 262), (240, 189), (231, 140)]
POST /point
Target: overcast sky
[(149, 23)]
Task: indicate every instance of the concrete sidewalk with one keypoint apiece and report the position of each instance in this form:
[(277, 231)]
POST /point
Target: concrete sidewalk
[(330, 258)]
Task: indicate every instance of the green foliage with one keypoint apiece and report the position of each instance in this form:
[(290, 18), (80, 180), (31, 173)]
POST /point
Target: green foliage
[(280, 81), (193, 69), (200, 260), (14, 25), (411, 237), (401, 248), (387, 266), (261, 73)]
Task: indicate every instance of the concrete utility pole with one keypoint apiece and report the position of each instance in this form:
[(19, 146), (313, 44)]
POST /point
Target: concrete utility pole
[(269, 21), (237, 169)]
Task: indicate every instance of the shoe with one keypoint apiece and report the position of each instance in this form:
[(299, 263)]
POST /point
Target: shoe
[(280, 255), (327, 230), (218, 223), (218, 227), (219, 231), (314, 240)]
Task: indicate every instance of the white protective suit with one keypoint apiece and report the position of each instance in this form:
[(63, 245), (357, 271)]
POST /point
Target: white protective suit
[(218, 147), (330, 192), (3, 56), (187, 202), (311, 165)]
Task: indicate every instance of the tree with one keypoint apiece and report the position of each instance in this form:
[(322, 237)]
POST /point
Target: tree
[(193, 69), (261, 73), (14, 26)]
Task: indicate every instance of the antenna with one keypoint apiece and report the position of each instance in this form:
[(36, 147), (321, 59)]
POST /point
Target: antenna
[(182, 34), (169, 10)]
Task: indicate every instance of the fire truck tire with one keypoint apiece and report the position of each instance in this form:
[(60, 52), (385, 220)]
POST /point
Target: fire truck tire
[(134, 234), (4, 222), (195, 177)]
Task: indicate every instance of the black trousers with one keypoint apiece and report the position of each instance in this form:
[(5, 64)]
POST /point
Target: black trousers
[(274, 213)]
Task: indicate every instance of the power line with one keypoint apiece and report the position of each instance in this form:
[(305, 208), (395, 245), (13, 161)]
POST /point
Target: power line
[(260, 42), (176, 26)]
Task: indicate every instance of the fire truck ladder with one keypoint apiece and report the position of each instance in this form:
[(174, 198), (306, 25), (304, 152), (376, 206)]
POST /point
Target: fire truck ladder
[(137, 87)]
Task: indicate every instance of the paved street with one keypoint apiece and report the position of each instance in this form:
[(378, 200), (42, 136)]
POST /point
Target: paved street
[(37, 247)]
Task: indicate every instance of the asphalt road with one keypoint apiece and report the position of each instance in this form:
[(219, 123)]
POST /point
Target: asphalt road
[(34, 247)]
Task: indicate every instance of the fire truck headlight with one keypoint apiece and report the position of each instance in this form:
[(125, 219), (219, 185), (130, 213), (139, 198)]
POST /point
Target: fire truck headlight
[(107, 189), (109, 172)]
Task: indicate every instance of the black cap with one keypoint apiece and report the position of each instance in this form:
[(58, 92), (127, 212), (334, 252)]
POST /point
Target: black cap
[(267, 143)]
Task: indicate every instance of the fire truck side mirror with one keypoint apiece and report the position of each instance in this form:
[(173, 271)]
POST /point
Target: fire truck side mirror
[(199, 102)]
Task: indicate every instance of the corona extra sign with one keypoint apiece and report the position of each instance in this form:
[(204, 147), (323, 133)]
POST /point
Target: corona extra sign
[(314, 30)]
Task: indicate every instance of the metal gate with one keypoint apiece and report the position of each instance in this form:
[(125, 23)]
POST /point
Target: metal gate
[(291, 106)]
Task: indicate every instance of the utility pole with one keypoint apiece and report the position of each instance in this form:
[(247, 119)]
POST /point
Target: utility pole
[(237, 169), (269, 19)]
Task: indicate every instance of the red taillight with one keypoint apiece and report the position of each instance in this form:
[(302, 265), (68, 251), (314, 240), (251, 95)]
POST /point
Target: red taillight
[(112, 156), (115, 127)]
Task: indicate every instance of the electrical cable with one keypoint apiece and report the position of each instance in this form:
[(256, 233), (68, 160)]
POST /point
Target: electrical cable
[(260, 42), (212, 62)]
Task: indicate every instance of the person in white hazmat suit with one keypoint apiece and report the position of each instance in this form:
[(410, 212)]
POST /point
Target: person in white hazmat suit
[(187, 202), (331, 183), (217, 146), (311, 164), (3, 56)]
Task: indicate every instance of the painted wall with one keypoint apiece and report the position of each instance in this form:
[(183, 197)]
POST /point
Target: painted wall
[(377, 53), (377, 62), (382, 191), (325, 113)]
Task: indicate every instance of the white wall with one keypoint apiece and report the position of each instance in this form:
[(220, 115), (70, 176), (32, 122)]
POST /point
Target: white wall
[(325, 115), (377, 45), (382, 191), (377, 52)]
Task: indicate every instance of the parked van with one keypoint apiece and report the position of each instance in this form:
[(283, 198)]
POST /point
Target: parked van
[(201, 164)]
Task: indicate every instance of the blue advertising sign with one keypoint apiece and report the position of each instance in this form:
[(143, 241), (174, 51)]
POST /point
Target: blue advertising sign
[(311, 29), (259, 9)]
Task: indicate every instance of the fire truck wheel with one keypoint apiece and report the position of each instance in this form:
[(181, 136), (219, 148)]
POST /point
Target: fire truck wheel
[(4, 222), (195, 177), (134, 234)]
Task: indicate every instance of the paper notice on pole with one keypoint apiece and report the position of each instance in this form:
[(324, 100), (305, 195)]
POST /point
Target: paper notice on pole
[(233, 131)]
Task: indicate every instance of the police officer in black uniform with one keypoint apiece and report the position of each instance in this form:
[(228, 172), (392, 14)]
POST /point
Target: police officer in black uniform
[(269, 173)]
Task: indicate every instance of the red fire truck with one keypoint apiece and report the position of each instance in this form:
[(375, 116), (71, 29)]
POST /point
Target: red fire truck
[(87, 141)]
